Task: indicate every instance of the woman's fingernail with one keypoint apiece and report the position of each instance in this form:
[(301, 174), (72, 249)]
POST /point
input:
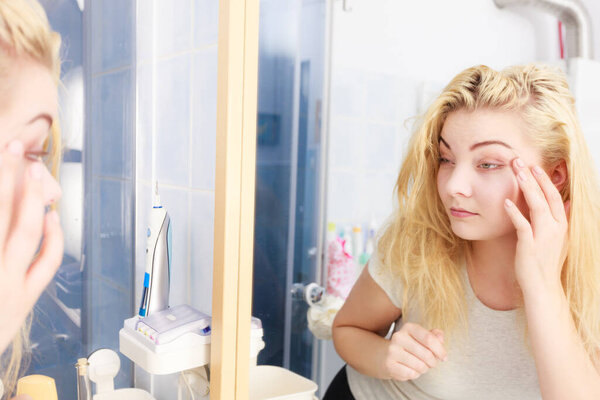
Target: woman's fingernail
[(36, 171), (16, 148), (520, 163)]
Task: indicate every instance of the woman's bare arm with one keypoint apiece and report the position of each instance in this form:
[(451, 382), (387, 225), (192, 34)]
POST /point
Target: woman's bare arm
[(361, 324)]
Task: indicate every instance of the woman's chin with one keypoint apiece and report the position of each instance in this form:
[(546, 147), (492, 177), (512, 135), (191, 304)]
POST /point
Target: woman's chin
[(477, 233)]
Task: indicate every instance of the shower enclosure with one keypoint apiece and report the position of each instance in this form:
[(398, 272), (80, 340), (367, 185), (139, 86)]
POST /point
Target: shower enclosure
[(289, 176)]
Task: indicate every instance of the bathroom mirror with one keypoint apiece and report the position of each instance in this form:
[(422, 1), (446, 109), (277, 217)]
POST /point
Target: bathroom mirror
[(340, 84)]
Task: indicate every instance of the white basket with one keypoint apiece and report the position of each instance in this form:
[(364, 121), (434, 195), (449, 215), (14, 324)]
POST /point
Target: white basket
[(125, 394), (268, 382)]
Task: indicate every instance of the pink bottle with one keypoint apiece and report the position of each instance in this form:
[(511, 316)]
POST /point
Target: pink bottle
[(340, 269)]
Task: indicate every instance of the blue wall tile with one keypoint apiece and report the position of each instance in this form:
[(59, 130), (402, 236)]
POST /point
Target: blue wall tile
[(113, 245), (113, 24), (112, 307), (112, 128)]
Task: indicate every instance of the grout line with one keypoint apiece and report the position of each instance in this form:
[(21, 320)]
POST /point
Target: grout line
[(189, 250), (110, 283), (180, 187), (184, 52), (112, 71), (114, 178), (190, 159)]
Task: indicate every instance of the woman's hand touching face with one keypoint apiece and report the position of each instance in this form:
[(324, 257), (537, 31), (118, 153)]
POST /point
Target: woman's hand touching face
[(31, 240), (23, 221), (542, 243)]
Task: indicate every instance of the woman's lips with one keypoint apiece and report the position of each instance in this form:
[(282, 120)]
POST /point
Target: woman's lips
[(461, 213)]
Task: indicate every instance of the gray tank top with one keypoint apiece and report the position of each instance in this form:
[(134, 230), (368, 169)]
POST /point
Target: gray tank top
[(494, 362)]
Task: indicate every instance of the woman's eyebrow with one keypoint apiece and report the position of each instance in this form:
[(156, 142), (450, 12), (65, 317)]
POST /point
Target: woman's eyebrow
[(45, 116), (476, 145)]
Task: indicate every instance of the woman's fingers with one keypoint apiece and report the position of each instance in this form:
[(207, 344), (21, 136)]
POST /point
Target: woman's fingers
[(44, 267), (10, 164), (427, 339), (413, 351), (401, 372), (439, 334), (421, 352), (26, 233)]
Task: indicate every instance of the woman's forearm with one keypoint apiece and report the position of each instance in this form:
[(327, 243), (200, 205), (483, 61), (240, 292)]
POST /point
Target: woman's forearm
[(565, 371), (363, 350)]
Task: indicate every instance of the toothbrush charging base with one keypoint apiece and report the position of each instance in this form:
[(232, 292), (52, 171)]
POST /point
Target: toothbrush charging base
[(188, 351)]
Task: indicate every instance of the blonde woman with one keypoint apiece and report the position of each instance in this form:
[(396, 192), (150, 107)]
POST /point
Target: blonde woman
[(29, 145), (490, 266)]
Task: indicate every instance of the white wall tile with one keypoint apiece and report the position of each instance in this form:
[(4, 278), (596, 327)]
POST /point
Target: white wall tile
[(348, 92), (143, 205), (173, 120), (202, 222), (173, 26), (206, 22), (204, 119), (345, 142), (144, 122), (177, 201), (382, 92), (379, 147)]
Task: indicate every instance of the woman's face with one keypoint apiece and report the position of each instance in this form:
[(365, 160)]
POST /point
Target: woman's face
[(475, 171), (27, 110)]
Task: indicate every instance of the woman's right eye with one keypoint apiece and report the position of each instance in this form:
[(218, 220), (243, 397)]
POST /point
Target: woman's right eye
[(443, 160)]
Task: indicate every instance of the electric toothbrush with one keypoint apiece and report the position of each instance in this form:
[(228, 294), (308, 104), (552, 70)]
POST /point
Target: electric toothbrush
[(155, 295)]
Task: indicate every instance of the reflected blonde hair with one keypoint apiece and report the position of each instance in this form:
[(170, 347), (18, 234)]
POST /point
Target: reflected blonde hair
[(25, 32), (418, 245)]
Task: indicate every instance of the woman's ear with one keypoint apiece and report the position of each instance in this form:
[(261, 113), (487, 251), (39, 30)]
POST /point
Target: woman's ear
[(559, 174)]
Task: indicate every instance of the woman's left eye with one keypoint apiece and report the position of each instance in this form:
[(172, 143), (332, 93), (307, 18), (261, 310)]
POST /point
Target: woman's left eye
[(490, 165), (37, 156)]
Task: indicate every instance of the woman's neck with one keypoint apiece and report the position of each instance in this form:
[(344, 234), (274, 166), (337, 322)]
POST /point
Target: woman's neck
[(491, 270)]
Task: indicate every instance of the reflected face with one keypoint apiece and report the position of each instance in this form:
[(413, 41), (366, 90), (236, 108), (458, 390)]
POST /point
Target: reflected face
[(29, 106), (475, 171)]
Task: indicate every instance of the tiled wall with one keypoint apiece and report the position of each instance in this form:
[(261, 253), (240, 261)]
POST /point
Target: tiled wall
[(177, 91), (109, 160), (388, 60)]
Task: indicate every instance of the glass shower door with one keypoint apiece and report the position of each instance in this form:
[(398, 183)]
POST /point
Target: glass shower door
[(287, 220)]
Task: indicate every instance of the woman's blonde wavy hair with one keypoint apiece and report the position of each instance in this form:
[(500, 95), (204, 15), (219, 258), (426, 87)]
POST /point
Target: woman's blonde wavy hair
[(25, 32), (418, 245)]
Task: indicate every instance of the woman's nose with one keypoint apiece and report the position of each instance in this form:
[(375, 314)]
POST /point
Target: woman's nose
[(51, 189), (459, 183)]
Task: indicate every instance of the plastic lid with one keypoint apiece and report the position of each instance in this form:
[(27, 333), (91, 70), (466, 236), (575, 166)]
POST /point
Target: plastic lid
[(255, 323)]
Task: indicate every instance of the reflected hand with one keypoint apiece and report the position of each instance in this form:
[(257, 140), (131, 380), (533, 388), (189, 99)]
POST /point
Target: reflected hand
[(24, 272), (412, 351)]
